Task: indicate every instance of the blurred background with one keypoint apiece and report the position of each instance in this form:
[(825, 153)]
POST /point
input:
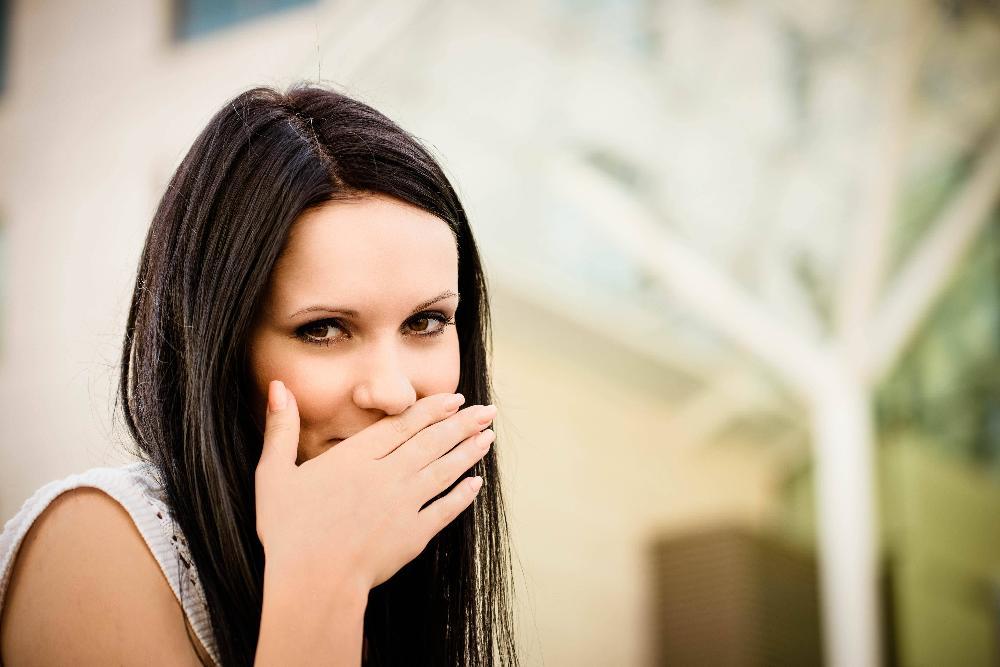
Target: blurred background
[(745, 262)]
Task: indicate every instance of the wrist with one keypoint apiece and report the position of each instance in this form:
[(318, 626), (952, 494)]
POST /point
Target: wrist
[(318, 589), (306, 616)]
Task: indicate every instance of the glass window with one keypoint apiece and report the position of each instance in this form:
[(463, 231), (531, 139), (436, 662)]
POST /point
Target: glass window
[(193, 18)]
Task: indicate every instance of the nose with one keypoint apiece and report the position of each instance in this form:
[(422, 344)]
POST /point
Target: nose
[(384, 385)]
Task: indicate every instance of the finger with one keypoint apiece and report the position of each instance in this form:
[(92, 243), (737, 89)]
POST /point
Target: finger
[(281, 430), (433, 518), (438, 439), (442, 473), (385, 435)]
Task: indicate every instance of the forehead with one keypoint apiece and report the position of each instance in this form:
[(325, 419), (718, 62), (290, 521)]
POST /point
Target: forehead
[(365, 254)]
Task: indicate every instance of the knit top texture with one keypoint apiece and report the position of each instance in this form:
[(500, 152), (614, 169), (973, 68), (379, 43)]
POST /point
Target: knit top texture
[(138, 488)]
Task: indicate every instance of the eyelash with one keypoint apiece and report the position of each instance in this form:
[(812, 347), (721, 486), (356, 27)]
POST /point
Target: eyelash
[(300, 333)]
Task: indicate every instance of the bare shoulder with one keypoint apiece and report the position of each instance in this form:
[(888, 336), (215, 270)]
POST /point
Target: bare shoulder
[(86, 590)]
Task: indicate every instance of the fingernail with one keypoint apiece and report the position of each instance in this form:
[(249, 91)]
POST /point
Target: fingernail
[(277, 396), (455, 401), (487, 413), (476, 482)]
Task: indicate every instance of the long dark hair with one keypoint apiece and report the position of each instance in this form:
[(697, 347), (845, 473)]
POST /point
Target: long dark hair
[(264, 159)]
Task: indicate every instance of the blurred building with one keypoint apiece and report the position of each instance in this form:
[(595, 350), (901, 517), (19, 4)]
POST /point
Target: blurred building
[(728, 243)]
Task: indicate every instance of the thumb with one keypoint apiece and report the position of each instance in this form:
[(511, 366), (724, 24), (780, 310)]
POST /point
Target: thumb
[(281, 429)]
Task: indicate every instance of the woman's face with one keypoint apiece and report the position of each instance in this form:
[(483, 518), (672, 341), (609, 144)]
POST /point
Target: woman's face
[(396, 267)]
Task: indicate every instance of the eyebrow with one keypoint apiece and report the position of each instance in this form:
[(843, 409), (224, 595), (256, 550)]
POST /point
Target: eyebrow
[(353, 313)]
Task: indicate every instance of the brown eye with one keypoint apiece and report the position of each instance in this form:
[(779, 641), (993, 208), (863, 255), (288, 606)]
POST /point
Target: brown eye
[(317, 331), (422, 325), (425, 322), (320, 332)]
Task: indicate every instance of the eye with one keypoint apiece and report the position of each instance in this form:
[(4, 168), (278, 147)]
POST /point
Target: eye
[(420, 325), (425, 321), (316, 332)]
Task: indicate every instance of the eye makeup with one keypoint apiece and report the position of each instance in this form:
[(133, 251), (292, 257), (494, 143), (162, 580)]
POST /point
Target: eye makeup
[(303, 332)]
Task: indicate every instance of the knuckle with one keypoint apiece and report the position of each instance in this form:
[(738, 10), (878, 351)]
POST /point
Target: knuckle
[(398, 424), (471, 422), (441, 517), (442, 477), (278, 428), (442, 407), (473, 452), (459, 503), (457, 430)]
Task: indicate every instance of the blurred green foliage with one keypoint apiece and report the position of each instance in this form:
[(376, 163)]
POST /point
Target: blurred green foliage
[(947, 386)]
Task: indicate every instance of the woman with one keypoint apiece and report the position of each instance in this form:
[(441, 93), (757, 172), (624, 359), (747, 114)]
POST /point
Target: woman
[(309, 299)]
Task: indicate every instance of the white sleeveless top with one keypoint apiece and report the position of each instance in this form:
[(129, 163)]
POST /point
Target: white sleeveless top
[(137, 488)]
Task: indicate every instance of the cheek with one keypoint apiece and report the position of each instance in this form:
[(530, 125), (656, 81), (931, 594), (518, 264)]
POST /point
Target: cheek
[(438, 370), (321, 389), (313, 380), (319, 384)]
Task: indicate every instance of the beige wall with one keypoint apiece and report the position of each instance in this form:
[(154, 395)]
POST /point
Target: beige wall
[(592, 471)]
